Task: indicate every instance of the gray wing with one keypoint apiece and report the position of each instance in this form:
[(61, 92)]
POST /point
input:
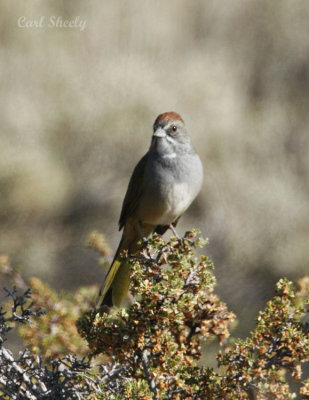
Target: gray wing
[(134, 191)]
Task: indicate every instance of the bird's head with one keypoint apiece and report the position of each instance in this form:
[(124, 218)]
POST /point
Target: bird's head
[(170, 136)]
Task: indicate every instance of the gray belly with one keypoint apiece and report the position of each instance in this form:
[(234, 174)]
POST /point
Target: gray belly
[(176, 200)]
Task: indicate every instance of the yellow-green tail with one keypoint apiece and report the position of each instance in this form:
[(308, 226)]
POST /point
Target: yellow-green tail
[(115, 289), (110, 276)]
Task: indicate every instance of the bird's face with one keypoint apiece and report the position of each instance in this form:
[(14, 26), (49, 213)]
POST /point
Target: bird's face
[(170, 136)]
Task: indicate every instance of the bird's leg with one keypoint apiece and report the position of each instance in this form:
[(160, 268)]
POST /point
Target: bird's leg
[(144, 239), (171, 227)]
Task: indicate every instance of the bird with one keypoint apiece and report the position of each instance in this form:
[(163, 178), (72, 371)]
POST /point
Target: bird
[(163, 185)]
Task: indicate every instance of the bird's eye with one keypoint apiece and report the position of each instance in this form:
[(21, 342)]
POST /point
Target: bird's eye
[(174, 128)]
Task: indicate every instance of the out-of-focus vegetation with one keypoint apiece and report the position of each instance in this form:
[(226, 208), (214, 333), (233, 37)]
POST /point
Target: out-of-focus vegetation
[(76, 111)]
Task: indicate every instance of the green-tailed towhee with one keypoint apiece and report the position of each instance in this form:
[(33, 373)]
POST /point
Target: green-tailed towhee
[(163, 185)]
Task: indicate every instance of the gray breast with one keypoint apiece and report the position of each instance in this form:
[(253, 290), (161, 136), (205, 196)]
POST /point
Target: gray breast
[(172, 183)]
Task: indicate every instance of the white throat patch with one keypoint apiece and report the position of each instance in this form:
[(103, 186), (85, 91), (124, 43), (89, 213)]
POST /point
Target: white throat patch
[(170, 155)]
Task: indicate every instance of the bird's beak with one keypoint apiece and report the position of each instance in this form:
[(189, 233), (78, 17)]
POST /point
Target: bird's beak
[(159, 133)]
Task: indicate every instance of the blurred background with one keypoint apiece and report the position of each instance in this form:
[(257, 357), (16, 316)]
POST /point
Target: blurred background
[(77, 107)]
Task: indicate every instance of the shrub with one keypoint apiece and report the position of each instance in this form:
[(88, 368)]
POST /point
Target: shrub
[(152, 349)]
